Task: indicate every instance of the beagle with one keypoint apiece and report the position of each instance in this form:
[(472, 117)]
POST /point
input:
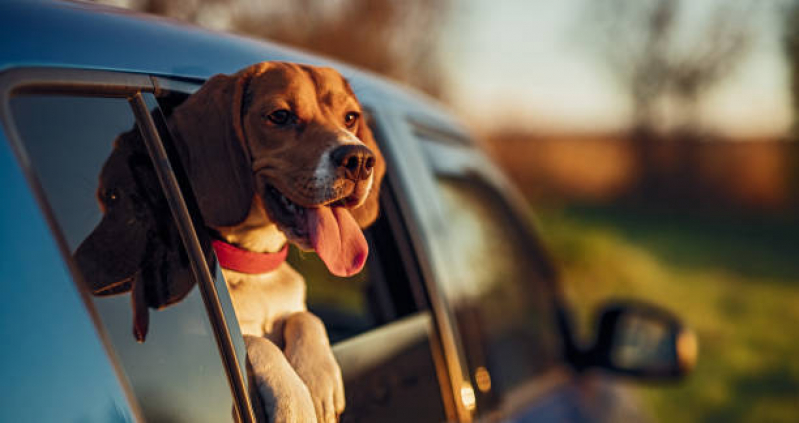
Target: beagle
[(277, 153)]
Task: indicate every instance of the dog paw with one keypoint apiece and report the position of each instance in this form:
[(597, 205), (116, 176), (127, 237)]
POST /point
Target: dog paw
[(322, 376), (310, 355), (284, 396)]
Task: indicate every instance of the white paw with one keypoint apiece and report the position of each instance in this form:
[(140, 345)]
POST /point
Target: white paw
[(322, 376), (284, 396), (313, 360)]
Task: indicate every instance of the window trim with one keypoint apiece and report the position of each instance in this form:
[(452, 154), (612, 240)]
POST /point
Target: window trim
[(403, 174), (463, 162), (100, 83)]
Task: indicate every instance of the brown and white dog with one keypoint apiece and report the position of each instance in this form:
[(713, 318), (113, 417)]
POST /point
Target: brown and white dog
[(276, 153)]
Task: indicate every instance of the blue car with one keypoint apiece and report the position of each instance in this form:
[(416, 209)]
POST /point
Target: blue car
[(458, 315)]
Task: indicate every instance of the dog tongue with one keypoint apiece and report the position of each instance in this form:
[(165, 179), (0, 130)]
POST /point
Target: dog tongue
[(337, 239)]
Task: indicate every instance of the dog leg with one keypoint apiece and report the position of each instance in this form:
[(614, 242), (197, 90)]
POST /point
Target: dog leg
[(283, 394), (308, 351)]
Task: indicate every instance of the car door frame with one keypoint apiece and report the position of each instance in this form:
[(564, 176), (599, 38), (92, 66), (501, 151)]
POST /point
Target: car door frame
[(452, 152)]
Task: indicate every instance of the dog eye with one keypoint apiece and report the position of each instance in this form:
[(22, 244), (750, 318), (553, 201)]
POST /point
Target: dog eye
[(350, 119), (109, 196), (280, 117)]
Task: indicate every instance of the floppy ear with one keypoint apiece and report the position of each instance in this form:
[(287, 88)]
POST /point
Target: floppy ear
[(165, 277), (366, 214), (210, 140)]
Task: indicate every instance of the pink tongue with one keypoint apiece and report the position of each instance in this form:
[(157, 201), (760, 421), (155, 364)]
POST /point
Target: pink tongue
[(337, 239)]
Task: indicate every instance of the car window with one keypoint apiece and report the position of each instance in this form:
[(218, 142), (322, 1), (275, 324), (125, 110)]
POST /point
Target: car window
[(506, 319), (176, 373)]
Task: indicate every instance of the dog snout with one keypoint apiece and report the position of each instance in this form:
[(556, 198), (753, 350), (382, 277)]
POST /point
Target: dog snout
[(356, 161)]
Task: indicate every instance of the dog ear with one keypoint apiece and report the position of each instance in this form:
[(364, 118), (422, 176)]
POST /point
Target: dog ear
[(170, 275), (210, 140), (165, 278), (366, 214)]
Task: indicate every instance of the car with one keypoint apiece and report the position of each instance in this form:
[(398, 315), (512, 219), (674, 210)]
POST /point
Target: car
[(458, 315)]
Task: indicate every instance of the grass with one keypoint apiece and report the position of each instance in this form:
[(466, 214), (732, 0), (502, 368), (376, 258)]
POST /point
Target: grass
[(734, 280)]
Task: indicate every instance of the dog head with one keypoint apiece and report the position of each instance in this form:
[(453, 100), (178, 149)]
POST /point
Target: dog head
[(135, 247), (293, 138)]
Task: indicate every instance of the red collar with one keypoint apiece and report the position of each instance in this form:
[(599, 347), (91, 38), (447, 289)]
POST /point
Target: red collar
[(235, 258)]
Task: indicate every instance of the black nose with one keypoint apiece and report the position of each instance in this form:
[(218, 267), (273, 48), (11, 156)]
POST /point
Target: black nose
[(356, 161)]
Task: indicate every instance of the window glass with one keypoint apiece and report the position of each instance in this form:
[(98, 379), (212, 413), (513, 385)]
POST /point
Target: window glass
[(101, 189), (49, 340), (509, 309)]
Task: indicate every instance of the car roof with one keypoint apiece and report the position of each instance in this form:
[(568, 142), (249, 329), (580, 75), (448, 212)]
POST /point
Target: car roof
[(86, 35)]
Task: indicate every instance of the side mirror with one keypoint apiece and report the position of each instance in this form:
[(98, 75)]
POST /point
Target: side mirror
[(643, 341)]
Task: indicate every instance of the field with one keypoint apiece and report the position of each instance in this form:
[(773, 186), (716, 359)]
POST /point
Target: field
[(734, 280)]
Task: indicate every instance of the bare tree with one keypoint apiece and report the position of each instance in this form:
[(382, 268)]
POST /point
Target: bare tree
[(791, 44), (399, 39), (654, 57)]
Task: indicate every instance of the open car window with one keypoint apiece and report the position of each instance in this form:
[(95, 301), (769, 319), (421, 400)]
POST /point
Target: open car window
[(378, 322)]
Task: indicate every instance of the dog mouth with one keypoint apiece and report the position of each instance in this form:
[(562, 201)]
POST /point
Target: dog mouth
[(288, 215), (328, 228)]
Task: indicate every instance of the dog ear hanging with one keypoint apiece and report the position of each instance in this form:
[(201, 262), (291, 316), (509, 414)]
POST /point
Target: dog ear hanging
[(208, 135)]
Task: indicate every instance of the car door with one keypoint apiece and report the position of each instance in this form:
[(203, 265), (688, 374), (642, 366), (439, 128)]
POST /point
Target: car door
[(53, 364), (502, 286)]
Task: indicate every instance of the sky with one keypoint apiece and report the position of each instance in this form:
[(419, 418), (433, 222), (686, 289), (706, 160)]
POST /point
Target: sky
[(526, 64), (515, 61)]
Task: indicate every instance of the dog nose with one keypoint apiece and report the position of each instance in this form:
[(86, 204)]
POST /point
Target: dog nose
[(356, 161)]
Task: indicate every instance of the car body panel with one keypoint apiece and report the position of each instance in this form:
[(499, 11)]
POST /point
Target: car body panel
[(54, 364)]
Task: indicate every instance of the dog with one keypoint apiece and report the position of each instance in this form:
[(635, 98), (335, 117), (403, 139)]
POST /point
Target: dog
[(276, 153), (135, 247)]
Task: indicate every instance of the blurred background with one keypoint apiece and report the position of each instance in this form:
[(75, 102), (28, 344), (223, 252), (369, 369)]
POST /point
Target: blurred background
[(655, 140)]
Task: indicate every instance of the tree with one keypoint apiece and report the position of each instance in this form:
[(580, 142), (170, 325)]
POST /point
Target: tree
[(393, 38), (655, 58), (791, 44)]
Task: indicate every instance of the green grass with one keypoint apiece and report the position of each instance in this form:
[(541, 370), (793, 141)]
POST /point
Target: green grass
[(734, 280)]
